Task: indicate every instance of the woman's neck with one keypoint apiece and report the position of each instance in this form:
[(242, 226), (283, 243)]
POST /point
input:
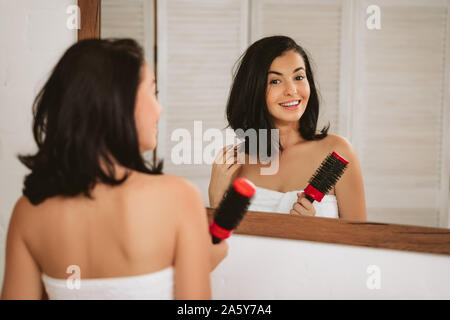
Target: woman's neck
[(119, 170), (289, 135)]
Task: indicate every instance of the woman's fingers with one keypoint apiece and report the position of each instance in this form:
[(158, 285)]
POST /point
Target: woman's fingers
[(229, 157), (222, 154), (302, 210), (225, 154), (232, 152), (223, 172), (303, 206), (305, 202)]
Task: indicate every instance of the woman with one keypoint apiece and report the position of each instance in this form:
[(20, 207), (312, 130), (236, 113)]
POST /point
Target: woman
[(91, 205), (274, 89)]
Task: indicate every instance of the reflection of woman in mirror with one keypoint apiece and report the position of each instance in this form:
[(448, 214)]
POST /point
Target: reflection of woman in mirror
[(274, 89), (92, 210)]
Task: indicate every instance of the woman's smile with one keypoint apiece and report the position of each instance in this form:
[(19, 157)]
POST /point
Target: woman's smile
[(291, 105)]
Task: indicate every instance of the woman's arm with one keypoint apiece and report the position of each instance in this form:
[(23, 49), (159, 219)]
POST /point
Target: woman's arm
[(192, 252), (22, 279), (350, 188)]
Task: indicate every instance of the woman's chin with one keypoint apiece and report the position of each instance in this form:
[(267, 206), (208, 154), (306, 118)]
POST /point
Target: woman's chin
[(147, 148), (286, 120)]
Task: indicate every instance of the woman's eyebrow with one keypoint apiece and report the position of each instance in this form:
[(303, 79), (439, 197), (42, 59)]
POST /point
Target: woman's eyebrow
[(280, 74)]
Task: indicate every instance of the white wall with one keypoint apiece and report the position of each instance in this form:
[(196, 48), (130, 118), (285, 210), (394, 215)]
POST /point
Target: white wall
[(33, 36), (270, 268)]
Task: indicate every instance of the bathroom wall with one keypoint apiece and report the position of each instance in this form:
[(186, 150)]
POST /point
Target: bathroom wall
[(33, 36)]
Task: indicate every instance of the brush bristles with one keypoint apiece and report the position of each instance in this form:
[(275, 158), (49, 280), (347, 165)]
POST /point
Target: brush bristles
[(231, 209), (327, 174)]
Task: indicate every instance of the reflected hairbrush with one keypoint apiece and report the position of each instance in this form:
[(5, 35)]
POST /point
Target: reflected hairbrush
[(325, 177), (231, 209)]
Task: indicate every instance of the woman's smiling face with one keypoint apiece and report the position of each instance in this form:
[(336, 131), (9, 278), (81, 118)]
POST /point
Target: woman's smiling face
[(288, 88)]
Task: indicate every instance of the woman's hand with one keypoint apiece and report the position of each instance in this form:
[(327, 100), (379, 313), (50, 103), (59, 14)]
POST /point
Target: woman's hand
[(224, 170), (303, 207), (218, 252)]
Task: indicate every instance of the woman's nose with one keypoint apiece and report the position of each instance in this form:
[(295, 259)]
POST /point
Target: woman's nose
[(290, 89)]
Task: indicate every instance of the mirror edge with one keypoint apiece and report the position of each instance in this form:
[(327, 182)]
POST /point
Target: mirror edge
[(90, 15), (347, 232)]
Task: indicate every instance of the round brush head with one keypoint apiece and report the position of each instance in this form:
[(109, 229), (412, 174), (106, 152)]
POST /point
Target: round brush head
[(325, 177), (231, 209)]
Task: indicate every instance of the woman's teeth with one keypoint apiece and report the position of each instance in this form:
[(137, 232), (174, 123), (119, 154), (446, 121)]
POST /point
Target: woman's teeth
[(290, 104)]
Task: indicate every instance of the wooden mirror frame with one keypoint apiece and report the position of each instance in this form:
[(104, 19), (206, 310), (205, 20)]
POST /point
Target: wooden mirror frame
[(338, 231)]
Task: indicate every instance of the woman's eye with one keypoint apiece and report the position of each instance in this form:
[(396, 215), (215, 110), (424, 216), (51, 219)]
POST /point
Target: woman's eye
[(299, 77), (274, 81)]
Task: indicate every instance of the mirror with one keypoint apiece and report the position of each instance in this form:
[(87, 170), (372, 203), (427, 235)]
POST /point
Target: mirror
[(382, 72)]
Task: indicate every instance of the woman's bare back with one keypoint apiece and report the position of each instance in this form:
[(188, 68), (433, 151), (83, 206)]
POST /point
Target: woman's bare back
[(127, 230)]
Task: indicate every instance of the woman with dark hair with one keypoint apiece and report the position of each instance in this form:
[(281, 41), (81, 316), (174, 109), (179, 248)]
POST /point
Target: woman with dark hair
[(91, 204), (274, 88)]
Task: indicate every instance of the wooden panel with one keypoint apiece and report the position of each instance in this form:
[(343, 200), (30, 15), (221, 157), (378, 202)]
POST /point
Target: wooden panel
[(89, 19), (340, 231)]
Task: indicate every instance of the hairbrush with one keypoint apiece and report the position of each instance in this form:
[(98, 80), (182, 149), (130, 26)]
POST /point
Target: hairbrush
[(325, 177), (231, 209)]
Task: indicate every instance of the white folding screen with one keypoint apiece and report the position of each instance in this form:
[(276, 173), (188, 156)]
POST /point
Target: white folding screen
[(401, 104), (130, 19), (198, 43)]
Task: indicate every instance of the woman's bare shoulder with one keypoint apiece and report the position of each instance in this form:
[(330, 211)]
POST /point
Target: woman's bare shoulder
[(24, 216), (172, 189), (163, 182), (340, 145), (332, 138), (22, 208)]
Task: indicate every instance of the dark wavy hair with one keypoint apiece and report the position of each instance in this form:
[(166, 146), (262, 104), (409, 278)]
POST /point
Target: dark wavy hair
[(247, 106), (84, 116)]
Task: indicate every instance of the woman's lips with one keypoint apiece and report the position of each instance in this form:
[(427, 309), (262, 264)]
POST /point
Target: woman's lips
[(291, 107)]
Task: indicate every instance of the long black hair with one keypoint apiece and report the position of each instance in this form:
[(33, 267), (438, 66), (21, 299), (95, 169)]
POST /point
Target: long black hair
[(247, 106), (84, 116)]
